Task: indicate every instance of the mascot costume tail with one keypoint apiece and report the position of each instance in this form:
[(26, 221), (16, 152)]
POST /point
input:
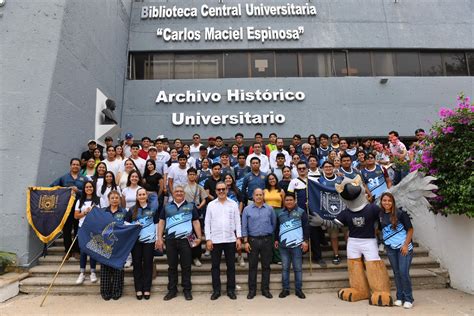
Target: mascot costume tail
[(372, 281)]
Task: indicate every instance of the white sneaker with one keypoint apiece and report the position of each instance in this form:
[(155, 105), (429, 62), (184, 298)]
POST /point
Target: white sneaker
[(241, 261), (207, 253), (238, 287), (128, 264), (197, 263), (407, 305), (93, 277), (398, 303), (80, 278)]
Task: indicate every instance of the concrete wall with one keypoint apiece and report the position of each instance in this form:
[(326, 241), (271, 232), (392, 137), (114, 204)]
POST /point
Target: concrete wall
[(351, 106), (450, 240), (54, 56)]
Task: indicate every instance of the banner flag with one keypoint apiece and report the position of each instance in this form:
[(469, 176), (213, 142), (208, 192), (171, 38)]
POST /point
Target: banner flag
[(47, 209), (105, 239), (324, 200)]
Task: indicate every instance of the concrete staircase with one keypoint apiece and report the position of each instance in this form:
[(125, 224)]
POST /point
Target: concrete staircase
[(425, 272)]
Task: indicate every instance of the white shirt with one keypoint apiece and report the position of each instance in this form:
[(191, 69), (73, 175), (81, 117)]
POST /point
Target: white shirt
[(194, 150), (83, 208), (163, 156), (264, 163), (113, 166), (130, 196), (179, 176), (273, 156), (222, 223)]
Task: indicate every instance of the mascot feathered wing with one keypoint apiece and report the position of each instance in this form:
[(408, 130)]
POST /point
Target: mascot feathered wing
[(411, 193), (374, 285)]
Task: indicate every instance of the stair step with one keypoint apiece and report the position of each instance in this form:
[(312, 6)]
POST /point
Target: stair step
[(422, 278), (55, 255), (162, 267)]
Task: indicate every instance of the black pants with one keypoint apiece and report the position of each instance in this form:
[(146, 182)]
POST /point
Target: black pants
[(178, 248), (315, 235), (142, 258), (216, 253), (68, 235), (260, 247), (111, 282)]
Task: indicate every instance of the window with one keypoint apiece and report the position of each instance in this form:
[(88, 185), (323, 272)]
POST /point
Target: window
[(360, 64), (383, 64), (455, 64), (431, 64), (138, 66), (286, 64), (159, 66), (408, 64), (316, 64), (470, 61), (293, 63), (236, 65), (262, 64), (340, 64)]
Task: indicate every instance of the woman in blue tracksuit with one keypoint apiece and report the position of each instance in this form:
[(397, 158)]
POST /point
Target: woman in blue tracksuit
[(397, 232), (144, 212)]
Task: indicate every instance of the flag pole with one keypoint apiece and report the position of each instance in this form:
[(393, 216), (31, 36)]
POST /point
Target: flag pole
[(57, 272), (307, 213)]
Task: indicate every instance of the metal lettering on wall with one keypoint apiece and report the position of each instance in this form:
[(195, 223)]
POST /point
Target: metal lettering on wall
[(229, 34), (232, 96)]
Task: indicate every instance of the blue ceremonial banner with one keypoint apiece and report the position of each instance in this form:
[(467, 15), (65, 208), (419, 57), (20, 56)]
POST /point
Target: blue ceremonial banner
[(324, 200), (47, 209), (106, 240)]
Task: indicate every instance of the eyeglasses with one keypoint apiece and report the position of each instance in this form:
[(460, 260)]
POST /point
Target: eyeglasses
[(195, 137), (220, 190), (304, 168)]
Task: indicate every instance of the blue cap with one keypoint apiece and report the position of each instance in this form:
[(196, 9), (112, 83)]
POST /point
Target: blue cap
[(128, 136)]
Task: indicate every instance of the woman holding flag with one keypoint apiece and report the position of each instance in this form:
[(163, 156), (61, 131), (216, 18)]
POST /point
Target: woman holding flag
[(84, 205), (111, 279), (144, 212)]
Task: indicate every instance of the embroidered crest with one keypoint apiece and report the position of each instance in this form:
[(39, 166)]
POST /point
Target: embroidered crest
[(48, 202)]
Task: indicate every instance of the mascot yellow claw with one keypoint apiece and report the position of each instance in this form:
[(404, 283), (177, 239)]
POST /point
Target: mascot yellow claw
[(371, 282)]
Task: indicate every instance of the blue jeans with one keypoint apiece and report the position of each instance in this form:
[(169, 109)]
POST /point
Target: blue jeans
[(291, 256), (401, 272), (83, 262)]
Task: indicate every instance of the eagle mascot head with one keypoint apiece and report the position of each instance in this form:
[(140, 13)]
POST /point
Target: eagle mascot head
[(352, 193)]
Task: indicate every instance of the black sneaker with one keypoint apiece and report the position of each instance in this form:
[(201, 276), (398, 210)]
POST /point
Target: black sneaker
[(336, 260)]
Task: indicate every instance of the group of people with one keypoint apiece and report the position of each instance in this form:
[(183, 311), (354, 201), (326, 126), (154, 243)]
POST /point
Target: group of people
[(235, 197)]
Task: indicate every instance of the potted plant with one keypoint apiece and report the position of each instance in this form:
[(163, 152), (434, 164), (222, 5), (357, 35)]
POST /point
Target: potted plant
[(7, 259)]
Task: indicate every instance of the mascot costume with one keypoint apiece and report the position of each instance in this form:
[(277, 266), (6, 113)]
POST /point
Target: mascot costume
[(361, 216)]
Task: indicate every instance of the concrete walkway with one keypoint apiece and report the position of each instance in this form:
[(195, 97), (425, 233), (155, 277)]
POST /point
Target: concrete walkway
[(428, 302)]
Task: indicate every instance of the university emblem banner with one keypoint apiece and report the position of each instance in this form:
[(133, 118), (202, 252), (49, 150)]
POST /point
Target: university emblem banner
[(324, 201), (47, 209), (106, 240)]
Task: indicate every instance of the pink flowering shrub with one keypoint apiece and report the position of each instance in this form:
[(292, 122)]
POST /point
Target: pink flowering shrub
[(447, 153)]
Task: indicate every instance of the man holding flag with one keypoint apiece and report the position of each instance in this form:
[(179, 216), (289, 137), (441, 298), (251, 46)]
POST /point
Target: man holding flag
[(329, 179)]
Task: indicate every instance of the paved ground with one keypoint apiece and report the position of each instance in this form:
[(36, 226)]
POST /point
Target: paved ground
[(428, 302)]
